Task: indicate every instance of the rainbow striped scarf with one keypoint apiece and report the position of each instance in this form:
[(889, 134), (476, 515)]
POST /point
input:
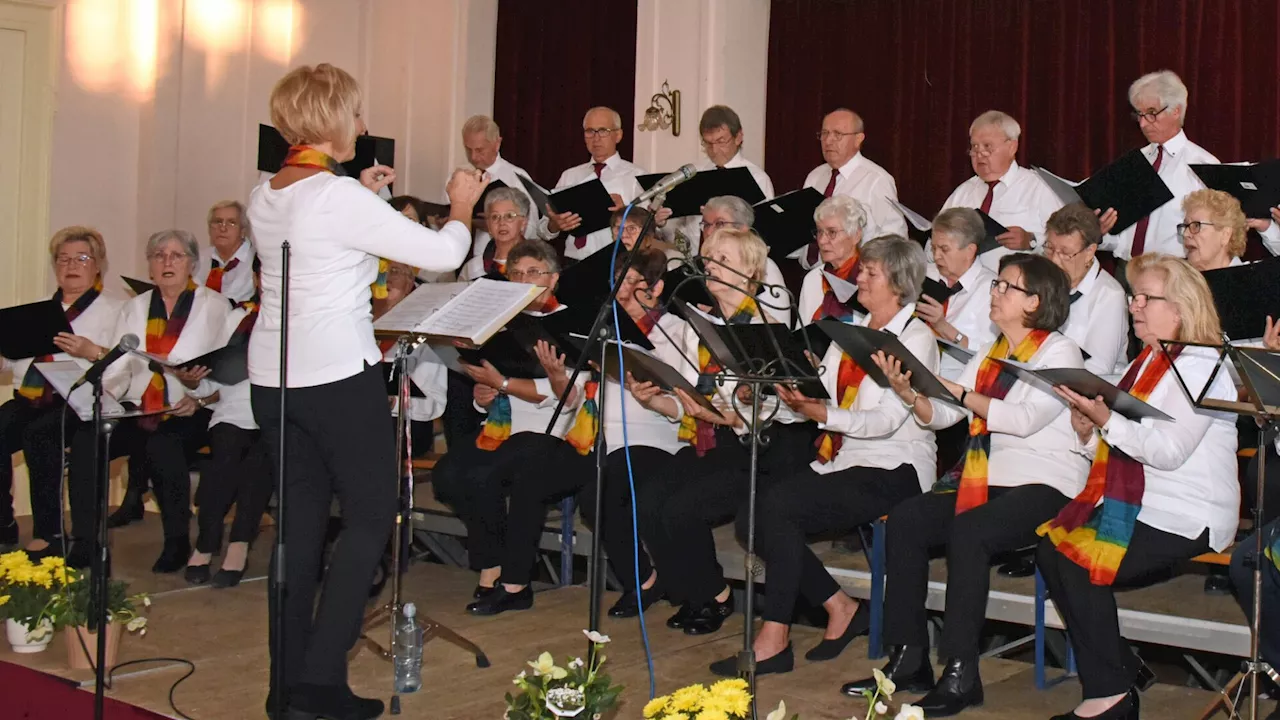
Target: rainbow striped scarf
[(831, 306), (1096, 538), (163, 331), (305, 156), (700, 433), (582, 436), (849, 378), (968, 479), (33, 386)]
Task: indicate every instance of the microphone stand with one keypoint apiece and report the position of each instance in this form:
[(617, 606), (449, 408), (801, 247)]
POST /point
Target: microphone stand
[(101, 563), (280, 591)]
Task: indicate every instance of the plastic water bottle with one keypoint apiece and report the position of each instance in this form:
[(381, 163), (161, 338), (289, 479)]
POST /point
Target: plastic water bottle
[(408, 651)]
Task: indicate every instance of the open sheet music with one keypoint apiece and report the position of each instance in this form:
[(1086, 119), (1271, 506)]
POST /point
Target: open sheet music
[(469, 313), (62, 374)]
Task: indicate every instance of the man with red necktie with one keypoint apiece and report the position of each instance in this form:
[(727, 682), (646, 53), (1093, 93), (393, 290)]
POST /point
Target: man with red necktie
[(226, 265)]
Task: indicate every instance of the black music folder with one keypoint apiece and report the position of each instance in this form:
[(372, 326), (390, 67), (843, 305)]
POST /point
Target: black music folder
[(994, 230), (786, 221), (228, 365), (688, 197), (1257, 186), (508, 353), (370, 150), (28, 330), (923, 227), (587, 282), (1245, 295), (646, 367), (590, 200), (1130, 185), (138, 287), (938, 291), (860, 343), (1084, 383), (758, 341)]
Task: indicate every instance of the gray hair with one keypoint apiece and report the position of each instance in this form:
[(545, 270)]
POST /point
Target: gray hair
[(902, 260), (539, 250), (1168, 88), (617, 119), (851, 213), (190, 247), (481, 123), (738, 209), (243, 216), (1001, 120), (963, 224), (511, 195)]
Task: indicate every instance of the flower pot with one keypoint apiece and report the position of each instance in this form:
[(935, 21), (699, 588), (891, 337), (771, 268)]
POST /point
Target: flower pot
[(17, 633), (76, 657)]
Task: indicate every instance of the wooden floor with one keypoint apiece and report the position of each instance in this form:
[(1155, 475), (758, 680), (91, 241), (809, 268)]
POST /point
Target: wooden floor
[(224, 633)]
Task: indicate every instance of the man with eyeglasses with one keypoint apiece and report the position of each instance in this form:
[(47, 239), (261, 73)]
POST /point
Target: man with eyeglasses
[(1099, 318), (1012, 195), (846, 171), (226, 265), (1159, 101), (601, 131)]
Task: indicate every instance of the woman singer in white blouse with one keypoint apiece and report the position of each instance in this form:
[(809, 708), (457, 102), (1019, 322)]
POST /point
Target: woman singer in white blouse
[(340, 438)]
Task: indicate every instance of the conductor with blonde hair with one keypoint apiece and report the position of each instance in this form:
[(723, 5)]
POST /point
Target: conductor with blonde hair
[(339, 434)]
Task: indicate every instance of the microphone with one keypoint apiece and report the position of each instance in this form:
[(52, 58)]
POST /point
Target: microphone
[(665, 184), (94, 374)]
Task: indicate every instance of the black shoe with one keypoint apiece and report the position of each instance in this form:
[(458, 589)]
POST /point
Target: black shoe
[(330, 702), (908, 667), (225, 578), (628, 606), (1126, 709), (859, 624), (131, 510), (174, 556), (682, 616), (1020, 567), (783, 662), (197, 574), (1217, 582), (501, 601), (9, 536), (53, 549), (709, 617), (483, 592), (959, 687)]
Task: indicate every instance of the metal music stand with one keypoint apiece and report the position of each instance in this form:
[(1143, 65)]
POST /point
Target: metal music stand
[(1262, 403), (390, 611)]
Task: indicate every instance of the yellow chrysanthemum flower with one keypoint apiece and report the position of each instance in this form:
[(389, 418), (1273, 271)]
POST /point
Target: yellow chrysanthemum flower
[(4, 599), (676, 716), (688, 698), (729, 683), (731, 701), (655, 706), (712, 714)]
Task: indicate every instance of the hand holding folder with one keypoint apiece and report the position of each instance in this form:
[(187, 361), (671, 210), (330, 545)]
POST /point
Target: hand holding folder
[(1130, 186), (863, 343)]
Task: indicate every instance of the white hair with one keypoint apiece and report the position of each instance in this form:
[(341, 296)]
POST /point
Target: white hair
[(190, 247), (481, 124), (1168, 88), (851, 213), (1001, 120), (738, 209), (613, 114)]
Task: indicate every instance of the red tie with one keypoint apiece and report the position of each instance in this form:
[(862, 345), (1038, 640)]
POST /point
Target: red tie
[(1140, 232), (831, 186), (811, 256), (580, 241), (991, 195)]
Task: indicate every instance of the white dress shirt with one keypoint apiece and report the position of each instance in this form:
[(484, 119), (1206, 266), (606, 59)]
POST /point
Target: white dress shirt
[(876, 430), (1021, 199), (690, 227), (337, 230), (618, 177), (233, 406), (429, 377), (1190, 463), (237, 283), (1032, 442), (969, 312), (645, 427), (510, 176), (97, 323), (869, 184), (1099, 323), (128, 377)]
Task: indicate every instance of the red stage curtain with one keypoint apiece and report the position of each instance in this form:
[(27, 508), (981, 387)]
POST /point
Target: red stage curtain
[(919, 71), (555, 59)]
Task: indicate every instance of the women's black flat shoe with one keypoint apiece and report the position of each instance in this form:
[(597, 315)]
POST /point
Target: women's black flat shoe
[(225, 578), (783, 662), (859, 624), (196, 574)]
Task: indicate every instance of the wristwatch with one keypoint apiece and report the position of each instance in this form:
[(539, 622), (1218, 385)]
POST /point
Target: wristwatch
[(506, 385), (964, 393), (959, 337), (1035, 241)]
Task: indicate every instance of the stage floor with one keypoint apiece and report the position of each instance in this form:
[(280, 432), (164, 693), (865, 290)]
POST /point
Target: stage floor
[(224, 632)]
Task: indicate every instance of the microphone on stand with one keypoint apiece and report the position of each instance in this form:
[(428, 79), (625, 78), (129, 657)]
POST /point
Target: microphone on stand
[(663, 186), (127, 344)]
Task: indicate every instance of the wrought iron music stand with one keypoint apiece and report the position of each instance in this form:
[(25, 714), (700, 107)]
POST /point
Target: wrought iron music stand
[(390, 611), (1258, 381)]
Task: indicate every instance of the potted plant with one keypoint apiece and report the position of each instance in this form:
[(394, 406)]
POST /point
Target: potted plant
[(578, 690), (72, 608), (27, 590), (728, 699)]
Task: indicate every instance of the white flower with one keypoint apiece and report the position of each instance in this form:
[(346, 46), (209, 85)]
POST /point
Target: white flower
[(546, 665), (596, 637), (882, 709), (576, 663), (146, 600), (780, 713), (566, 701), (519, 677), (910, 712), (136, 624), (886, 686)]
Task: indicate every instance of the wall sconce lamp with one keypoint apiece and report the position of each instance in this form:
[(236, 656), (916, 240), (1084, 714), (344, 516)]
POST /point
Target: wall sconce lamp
[(663, 112)]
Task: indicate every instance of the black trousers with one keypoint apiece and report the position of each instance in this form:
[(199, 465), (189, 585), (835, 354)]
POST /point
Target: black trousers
[(461, 420), (1271, 485), (16, 418), (677, 520), (1242, 560), (1007, 521), (1107, 667), (42, 446), (237, 474), (810, 503), (164, 455), (340, 441)]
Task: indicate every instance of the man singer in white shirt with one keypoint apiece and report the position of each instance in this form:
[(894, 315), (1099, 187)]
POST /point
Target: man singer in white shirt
[(482, 142)]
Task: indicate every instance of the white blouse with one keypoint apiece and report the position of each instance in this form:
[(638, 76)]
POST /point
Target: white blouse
[(646, 427), (1032, 442), (1099, 323), (97, 323)]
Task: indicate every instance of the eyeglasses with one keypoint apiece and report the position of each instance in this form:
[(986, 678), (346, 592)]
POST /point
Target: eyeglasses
[(222, 223), (80, 260), (1002, 287), (834, 134), (716, 143), (503, 218), (984, 149), (1148, 115), (828, 233), (528, 274), (1051, 251), (719, 224), (597, 132), (1139, 301), (168, 258), (1193, 227)]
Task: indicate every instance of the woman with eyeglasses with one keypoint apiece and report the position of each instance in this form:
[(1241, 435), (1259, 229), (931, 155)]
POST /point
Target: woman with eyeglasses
[(839, 222), (964, 318), (1212, 230), (512, 455), (1018, 469), (30, 422), (506, 212), (1159, 492), (226, 265)]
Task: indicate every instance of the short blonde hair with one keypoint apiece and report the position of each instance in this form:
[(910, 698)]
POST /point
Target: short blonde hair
[(313, 105), (79, 233), (1184, 286), (239, 206), (1224, 209), (751, 247)]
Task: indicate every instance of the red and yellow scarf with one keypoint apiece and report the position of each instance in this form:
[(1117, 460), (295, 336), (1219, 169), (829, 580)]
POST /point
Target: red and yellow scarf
[(968, 479), (217, 270), (493, 266), (163, 331), (849, 377), (831, 306), (1096, 538), (305, 156), (497, 424), (33, 387), (700, 433), (582, 436)]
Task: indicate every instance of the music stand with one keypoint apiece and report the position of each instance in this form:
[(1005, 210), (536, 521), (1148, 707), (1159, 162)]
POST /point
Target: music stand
[(1261, 384)]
